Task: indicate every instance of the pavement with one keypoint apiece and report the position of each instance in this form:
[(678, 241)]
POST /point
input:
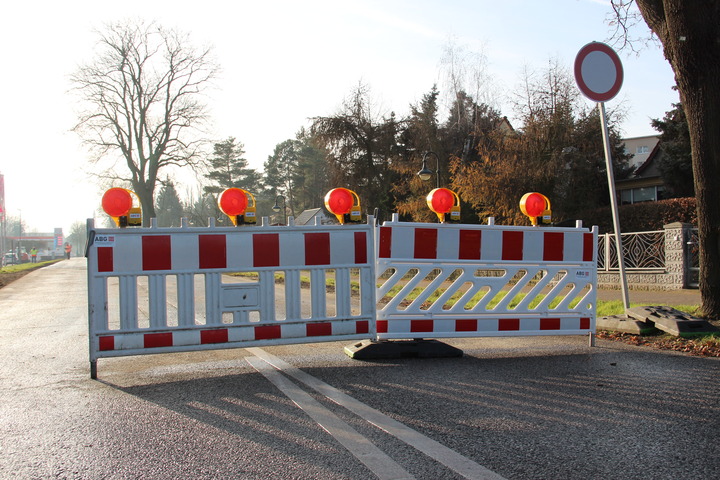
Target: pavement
[(654, 297)]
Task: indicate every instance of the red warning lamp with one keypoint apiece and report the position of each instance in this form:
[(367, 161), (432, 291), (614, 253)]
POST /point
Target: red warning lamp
[(536, 205), (118, 204), (233, 203), (344, 204), (443, 201)]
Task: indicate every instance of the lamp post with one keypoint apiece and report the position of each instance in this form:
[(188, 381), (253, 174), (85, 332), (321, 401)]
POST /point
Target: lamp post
[(276, 208), (19, 245), (425, 173)]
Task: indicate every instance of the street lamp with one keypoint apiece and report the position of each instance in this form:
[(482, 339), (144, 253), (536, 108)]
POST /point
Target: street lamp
[(425, 173), (276, 208)]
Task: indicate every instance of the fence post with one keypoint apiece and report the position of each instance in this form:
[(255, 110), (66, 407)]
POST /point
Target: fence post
[(676, 260), (608, 260)]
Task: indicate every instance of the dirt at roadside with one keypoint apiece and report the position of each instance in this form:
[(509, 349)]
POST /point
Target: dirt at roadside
[(691, 346), (8, 278)]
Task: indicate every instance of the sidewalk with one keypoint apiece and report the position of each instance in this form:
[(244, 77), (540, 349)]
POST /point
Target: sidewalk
[(654, 297)]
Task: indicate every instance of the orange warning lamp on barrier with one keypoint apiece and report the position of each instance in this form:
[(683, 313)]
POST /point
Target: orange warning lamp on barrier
[(344, 204), (233, 202), (118, 204), (443, 201), (537, 207)]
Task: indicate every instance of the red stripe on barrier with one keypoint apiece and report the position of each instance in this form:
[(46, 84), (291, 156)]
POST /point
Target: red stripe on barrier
[(213, 336), (106, 343), (470, 242), (417, 326), (512, 245), (360, 247), (317, 248), (508, 324), (362, 326), (381, 326), (319, 329), (155, 340), (553, 246), (268, 332), (588, 247), (156, 252), (105, 259), (385, 246), (266, 250), (549, 324), (584, 324), (213, 251), (466, 325), (425, 243)]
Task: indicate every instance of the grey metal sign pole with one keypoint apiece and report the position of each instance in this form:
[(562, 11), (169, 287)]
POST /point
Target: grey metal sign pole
[(599, 76), (614, 206)]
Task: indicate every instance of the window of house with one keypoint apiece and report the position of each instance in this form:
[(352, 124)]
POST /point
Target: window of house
[(646, 194), (625, 197), (642, 149)]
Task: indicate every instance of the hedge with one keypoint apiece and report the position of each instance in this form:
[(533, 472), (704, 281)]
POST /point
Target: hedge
[(642, 217)]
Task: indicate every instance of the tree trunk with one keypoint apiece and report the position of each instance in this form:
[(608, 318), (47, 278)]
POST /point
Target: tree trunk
[(690, 33), (146, 203), (701, 108)]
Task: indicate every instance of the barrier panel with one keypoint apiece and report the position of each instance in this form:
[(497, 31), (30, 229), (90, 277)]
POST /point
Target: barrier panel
[(397, 281), (449, 280), (142, 286)]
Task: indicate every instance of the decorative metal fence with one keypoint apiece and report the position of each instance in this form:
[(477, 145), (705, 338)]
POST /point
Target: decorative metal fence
[(641, 251)]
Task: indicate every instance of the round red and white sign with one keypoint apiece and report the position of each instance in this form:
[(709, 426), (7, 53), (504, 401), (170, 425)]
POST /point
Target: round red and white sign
[(598, 72)]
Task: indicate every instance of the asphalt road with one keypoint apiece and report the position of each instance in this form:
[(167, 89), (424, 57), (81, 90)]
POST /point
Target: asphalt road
[(515, 408)]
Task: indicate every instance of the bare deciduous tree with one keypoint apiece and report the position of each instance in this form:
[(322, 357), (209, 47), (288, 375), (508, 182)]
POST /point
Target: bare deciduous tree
[(142, 108)]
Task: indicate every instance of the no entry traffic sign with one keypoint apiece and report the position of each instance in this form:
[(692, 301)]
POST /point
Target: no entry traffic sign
[(598, 72)]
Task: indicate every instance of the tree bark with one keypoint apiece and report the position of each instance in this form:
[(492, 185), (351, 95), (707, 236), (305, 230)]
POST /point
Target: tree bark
[(690, 34)]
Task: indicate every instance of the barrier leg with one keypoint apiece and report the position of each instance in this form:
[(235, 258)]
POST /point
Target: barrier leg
[(93, 369), (591, 338)]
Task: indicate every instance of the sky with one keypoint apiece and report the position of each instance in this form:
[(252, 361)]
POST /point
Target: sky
[(283, 62)]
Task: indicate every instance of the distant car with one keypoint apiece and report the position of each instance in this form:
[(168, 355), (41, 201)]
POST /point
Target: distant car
[(9, 259)]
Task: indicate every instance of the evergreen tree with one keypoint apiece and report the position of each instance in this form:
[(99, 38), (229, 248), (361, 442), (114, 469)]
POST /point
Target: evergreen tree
[(675, 163), (297, 171), (419, 135), (360, 146), (168, 207), (281, 172), (229, 169)]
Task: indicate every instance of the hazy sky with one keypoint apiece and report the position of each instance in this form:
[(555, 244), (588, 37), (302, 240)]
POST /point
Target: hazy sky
[(282, 62)]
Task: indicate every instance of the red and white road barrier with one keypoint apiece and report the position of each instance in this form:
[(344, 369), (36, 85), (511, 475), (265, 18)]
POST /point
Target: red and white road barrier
[(449, 280), (415, 280), (143, 283)]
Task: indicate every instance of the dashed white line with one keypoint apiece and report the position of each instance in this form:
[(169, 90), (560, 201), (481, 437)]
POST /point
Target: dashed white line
[(435, 450), (371, 456)]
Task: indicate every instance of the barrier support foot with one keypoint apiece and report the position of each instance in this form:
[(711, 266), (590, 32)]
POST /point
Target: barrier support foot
[(418, 348)]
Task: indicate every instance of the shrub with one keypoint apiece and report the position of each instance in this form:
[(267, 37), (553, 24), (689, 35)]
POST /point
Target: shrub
[(641, 217)]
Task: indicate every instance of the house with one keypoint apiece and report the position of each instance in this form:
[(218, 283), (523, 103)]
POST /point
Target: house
[(308, 217), (645, 184)]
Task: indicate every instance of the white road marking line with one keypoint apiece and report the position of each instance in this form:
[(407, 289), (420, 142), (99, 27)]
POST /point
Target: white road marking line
[(371, 456), (435, 450)]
